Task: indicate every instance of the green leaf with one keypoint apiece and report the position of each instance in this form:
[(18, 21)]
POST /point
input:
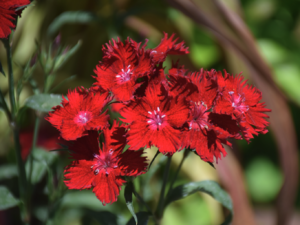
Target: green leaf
[(129, 189), (41, 159), (103, 217), (1, 69), (209, 187), (142, 217), (43, 102), (7, 200), (81, 17), (61, 59), (8, 171)]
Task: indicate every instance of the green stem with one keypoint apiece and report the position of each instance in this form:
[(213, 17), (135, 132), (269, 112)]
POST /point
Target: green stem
[(21, 167), (11, 89), (34, 141), (4, 105), (185, 154), (160, 206), (146, 205)]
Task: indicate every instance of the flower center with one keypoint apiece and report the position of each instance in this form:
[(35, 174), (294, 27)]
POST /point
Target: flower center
[(199, 117), (124, 75), (104, 162), (83, 117), (238, 102), (156, 119)]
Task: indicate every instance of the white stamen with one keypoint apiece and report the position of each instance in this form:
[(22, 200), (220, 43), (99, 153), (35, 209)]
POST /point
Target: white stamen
[(163, 116), (158, 109), (96, 171), (230, 92), (149, 112), (92, 167), (154, 112), (159, 124), (122, 70), (118, 76), (149, 121)]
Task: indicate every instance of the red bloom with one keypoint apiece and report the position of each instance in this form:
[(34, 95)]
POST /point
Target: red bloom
[(241, 101), (168, 47), (81, 113), (155, 119), (8, 15), (103, 168), (122, 65), (206, 131)]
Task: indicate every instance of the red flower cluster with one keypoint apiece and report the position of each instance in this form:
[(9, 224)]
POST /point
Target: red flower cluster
[(172, 111), (8, 14)]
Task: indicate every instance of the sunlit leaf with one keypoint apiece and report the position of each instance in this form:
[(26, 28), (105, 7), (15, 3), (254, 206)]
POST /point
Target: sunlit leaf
[(209, 187), (7, 200), (43, 102)]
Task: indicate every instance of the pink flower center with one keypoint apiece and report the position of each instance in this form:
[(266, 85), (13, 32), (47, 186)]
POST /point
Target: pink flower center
[(83, 117), (156, 119), (124, 75), (238, 102), (104, 162), (199, 117)]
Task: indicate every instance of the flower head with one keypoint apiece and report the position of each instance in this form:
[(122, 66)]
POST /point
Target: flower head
[(242, 102), (80, 113), (103, 168), (122, 65), (155, 119), (8, 14)]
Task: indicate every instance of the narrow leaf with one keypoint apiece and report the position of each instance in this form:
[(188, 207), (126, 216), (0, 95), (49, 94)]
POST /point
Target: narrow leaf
[(129, 189), (7, 200), (210, 187), (142, 217), (70, 17), (60, 60), (43, 102)]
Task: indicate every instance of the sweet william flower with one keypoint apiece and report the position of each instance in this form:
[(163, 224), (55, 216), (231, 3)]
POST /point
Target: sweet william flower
[(155, 119), (103, 169), (206, 131), (120, 68), (8, 14), (242, 102), (80, 113)]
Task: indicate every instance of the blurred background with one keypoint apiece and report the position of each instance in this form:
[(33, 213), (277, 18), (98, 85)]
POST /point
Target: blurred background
[(260, 38)]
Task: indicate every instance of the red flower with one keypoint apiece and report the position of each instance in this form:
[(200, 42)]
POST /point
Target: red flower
[(103, 168), (155, 119), (168, 47), (241, 101), (81, 113), (8, 14), (122, 65), (206, 131)]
